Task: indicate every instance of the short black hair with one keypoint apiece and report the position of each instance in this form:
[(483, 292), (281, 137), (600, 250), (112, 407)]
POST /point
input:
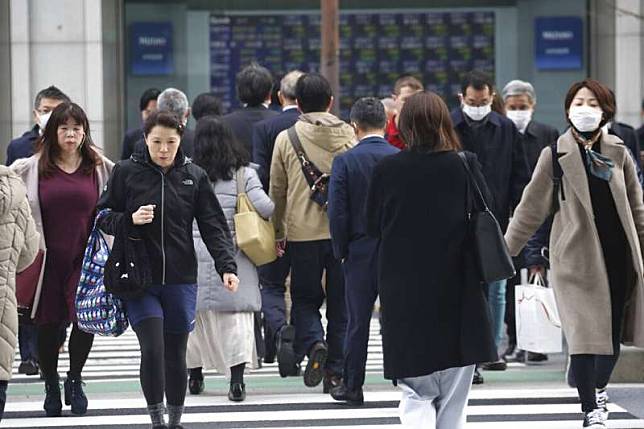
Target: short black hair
[(148, 95), (254, 84), (477, 80), (368, 113), (50, 92), (313, 93), (206, 104), (163, 119)]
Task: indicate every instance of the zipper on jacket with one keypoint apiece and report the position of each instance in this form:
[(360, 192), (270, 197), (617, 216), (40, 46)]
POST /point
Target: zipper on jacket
[(163, 225)]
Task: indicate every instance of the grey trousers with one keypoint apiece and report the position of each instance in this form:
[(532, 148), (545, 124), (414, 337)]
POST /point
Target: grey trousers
[(437, 400)]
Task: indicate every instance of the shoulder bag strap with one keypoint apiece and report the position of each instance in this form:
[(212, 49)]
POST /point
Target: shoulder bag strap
[(297, 146), (241, 183), (557, 183), (472, 180)]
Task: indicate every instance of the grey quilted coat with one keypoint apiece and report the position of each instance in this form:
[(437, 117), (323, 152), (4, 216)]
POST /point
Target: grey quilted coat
[(18, 248), (211, 293)]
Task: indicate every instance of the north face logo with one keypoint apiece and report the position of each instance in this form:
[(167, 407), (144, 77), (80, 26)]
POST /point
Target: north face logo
[(188, 182)]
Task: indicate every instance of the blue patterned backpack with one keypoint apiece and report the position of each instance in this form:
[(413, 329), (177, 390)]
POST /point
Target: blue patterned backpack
[(98, 312)]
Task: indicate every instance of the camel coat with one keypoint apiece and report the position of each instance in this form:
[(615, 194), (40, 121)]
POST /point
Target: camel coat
[(579, 276)]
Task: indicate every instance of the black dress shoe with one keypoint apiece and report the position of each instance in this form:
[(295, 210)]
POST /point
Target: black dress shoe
[(53, 405), (237, 392), (196, 385), (314, 372), (537, 357), (351, 397), (478, 378), (499, 365), (331, 381), (285, 352), (28, 367)]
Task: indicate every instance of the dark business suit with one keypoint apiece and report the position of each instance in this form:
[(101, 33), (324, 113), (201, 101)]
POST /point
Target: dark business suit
[(129, 142), (241, 122), (23, 146), (350, 180), (264, 134), (630, 139), (537, 136), (272, 276)]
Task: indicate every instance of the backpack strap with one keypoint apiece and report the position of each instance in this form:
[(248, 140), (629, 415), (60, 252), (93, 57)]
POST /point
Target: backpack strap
[(557, 182)]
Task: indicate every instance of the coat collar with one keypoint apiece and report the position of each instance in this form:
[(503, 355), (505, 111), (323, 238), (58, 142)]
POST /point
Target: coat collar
[(574, 170), (373, 140)]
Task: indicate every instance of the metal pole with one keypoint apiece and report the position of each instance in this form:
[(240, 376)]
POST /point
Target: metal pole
[(330, 51)]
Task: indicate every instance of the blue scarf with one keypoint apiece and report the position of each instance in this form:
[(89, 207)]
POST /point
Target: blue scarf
[(599, 165)]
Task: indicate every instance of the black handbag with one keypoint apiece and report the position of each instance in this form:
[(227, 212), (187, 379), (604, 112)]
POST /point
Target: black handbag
[(318, 181), (494, 260), (127, 270)]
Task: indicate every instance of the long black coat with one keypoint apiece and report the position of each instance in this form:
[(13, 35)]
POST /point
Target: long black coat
[(435, 315)]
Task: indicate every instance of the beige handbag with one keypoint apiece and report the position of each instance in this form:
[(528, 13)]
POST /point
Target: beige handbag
[(255, 236)]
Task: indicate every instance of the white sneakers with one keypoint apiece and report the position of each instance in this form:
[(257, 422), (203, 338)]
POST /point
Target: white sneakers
[(594, 420), (602, 402)]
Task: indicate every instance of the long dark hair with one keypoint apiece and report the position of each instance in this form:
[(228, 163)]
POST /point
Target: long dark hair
[(216, 149), (47, 145), (425, 124)]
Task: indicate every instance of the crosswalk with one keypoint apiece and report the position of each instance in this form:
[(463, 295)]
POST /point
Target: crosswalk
[(116, 359)]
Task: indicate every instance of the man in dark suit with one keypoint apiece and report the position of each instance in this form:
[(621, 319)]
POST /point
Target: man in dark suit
[(254, 85), (350, 179), (46, 101), (520, 100), (147, 105), (495, 140), (273, 276)]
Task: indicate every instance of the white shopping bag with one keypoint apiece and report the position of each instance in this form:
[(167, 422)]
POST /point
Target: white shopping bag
[(537, 318)]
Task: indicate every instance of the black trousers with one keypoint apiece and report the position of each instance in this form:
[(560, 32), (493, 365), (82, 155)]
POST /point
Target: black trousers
[(309, 260), (593, 371), (272, 278)]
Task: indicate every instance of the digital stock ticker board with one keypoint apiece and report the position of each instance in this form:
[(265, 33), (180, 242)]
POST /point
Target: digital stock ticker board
[(375, 49)]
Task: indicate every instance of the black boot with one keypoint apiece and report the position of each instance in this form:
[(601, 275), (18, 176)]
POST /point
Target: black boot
[(53, 406), (75, 396), (196, 383), (237, 392)]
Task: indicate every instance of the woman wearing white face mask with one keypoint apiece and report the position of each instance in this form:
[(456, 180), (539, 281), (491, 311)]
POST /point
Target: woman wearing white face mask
[(595, 245)]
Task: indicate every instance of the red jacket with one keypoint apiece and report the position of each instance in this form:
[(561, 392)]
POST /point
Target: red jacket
[(393, 135)]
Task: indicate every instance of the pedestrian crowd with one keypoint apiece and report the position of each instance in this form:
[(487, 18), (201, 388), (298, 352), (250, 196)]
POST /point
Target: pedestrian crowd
[(380, 206)]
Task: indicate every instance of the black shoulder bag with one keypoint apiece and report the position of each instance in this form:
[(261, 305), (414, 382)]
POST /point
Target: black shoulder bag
[(318, 181), (557, 182), (495, 262), (127, 270)]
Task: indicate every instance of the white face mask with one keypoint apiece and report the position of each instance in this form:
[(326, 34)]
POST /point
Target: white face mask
[(521, 118), (42, 121), (477, 113), (585, 118)]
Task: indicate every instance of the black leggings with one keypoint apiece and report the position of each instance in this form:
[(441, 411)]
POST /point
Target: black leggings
[(80, 344), (163, 363)]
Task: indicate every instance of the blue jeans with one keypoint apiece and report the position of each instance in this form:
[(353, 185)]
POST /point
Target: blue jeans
[(496, 301), (28, 342)]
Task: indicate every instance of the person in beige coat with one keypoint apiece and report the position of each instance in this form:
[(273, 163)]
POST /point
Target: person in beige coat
[(303, 225), (18, 249), (595, 245)]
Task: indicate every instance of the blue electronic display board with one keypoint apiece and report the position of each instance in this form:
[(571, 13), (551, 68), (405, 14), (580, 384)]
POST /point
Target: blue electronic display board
[(559, 43), (151, 48), (375, 49)]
